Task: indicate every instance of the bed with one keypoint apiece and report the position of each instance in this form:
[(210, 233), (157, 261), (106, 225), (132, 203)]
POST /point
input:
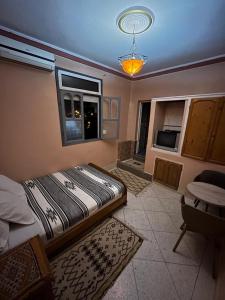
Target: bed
[(67, 203)]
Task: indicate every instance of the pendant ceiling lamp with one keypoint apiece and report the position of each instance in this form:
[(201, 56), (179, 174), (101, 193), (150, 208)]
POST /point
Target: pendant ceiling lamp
[(133, 21)]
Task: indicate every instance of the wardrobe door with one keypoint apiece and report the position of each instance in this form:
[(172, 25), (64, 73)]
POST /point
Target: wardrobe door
[(199, 126), (161, 170), (216, 153), (167, 172), (174, 173)]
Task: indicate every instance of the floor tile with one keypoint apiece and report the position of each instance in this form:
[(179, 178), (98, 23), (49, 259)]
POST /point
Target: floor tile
[(136, 218), (151, 203), (196, 244), (124, 287), (147, 192), (156, 272), (153, 281), (183, 255), (149, 249), (171, 205), (164, 191), (205, 284), (184, 278), (160, 221), (177, 219), (133, 202), (119, 214)]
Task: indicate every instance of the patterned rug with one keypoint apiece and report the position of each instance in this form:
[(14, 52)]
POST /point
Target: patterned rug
[(133, 183), (90, 266)]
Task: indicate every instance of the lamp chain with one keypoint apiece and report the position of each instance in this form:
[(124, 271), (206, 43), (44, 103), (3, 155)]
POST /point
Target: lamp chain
[(134, 42)]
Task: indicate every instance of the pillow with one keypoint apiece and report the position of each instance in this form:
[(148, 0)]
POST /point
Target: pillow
[(4, 235), (14, 208), (7, 184)]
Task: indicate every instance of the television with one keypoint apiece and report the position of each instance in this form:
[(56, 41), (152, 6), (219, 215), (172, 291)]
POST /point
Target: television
[(167, 139)]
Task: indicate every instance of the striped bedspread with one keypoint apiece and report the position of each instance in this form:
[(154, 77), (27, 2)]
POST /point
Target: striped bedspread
[(64, 198)]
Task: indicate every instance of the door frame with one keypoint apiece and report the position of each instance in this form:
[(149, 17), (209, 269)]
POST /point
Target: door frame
[(138, 122)]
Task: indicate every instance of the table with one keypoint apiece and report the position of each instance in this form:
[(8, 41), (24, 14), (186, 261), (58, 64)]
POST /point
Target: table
[(25, 272), (211, 194)]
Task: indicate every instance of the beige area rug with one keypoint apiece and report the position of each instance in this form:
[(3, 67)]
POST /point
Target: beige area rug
[(90, 266), (133, 183)]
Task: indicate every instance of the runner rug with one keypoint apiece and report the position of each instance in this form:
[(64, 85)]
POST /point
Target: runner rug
[(88, 268), (133, 183)]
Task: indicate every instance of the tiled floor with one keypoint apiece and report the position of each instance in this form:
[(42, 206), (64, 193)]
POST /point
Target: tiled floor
[(156, 272)]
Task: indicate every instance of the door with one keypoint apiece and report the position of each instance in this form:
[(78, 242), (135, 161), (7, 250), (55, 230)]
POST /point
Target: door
[(167, 172), (199, 126), (216, 153), (142, 130)]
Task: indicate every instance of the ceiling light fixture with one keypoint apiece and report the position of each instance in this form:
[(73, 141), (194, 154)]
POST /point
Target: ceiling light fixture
[(134, 20)]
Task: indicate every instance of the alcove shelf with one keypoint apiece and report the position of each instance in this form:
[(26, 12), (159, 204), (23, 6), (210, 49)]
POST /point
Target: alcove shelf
[(169, 116)]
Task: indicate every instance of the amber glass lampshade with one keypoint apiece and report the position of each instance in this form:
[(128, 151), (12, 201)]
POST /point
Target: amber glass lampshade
[(132, 64)]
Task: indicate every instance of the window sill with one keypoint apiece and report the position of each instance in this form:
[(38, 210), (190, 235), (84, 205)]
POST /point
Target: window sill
[(80, 142)]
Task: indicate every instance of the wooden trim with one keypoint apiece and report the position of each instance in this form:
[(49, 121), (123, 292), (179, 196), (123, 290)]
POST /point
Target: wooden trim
[(182, 68), (55, 51), (39, 250), (73, 233)]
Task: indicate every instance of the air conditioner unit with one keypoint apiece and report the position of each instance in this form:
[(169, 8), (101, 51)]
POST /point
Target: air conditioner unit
[(17, 51)]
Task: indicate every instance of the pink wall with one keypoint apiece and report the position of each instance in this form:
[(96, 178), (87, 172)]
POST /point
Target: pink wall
[(29, 121), (208, 79), (202, 80)]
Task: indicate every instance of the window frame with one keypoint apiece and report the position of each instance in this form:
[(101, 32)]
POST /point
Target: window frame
[(80, 76), (110, 119), (61, 92)]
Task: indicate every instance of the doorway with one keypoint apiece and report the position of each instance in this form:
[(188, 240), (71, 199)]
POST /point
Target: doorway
[(142, 128)]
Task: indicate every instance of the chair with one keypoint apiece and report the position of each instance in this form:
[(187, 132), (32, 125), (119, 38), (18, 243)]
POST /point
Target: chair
[(211, 177), (204, 223)]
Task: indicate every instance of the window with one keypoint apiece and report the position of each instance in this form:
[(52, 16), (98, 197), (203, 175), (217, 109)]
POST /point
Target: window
[(80, 83), (83, 115)]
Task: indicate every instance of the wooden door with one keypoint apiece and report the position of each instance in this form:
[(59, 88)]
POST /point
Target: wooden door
[(199, 126), (216, 152), (160, 171), (174, 173), (167, 172)]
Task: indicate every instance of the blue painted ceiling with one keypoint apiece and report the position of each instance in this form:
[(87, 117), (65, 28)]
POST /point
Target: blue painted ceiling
[(184, 31)]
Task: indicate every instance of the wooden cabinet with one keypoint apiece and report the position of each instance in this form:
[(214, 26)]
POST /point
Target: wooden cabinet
[(167, 172), (204, 136), (216, 151)]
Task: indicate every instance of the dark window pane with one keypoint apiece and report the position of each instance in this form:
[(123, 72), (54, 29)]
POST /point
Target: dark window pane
[(73, 130), (78, 83), (90, 120), (68, 108)]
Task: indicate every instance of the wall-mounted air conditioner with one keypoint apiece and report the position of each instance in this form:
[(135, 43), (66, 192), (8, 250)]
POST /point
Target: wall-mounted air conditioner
[(17, 51)]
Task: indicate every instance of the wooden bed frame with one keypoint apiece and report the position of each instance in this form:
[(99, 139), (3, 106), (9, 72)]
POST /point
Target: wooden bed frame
[(74, 232)]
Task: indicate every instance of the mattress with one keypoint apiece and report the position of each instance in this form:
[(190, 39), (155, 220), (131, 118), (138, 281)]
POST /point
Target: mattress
[(62, 199)]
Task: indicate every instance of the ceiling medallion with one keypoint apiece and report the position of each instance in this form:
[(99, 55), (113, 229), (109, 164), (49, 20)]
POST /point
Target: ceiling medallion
[(134, 20)]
